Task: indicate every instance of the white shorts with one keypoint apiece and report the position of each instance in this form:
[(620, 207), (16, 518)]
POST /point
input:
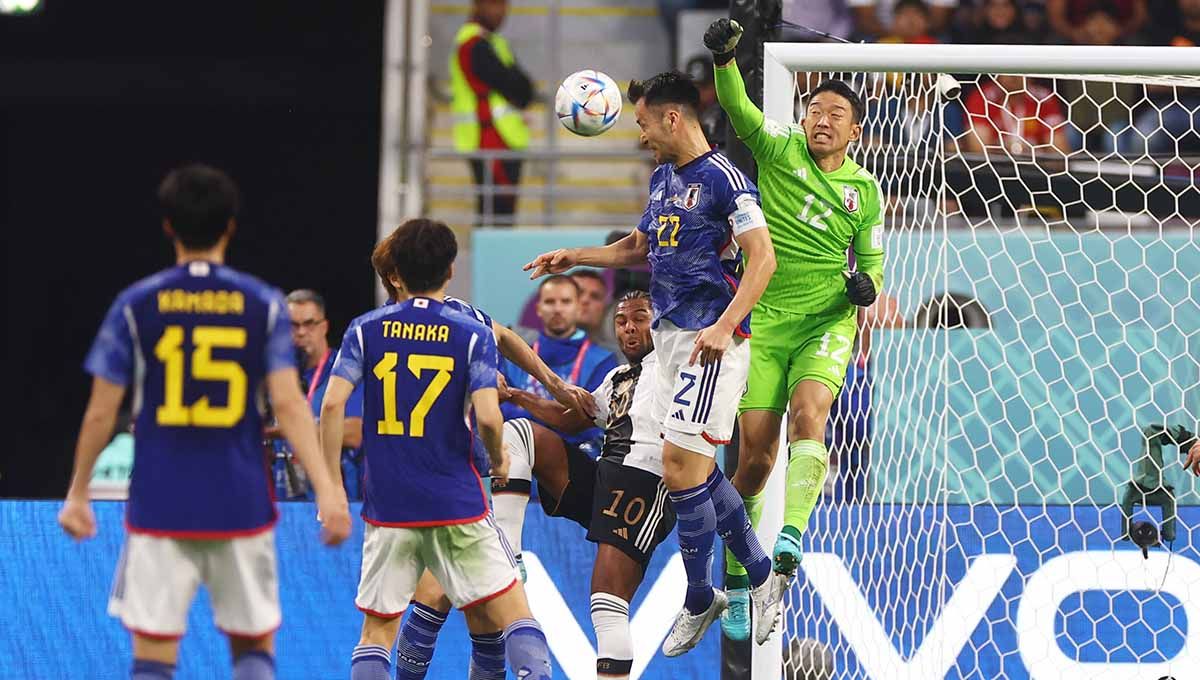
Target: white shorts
[(157, 578), (472, 562), (697, 405)]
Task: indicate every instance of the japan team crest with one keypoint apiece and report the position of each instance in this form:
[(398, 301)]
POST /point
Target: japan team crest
[(850, 198), (692, 198)]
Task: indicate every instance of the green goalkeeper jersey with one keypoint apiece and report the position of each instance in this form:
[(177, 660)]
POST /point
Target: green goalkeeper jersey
[(814, 216)]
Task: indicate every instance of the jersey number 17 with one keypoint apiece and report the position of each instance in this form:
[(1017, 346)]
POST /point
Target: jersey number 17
[(385, 371)]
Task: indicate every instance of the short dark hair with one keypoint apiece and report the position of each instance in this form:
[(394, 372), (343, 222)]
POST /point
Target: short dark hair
[(838, 87), (671, 87), (198, 200), (419, 252), (914, 4), (302, 296), (590, 274), (557, 278), (635, 294)]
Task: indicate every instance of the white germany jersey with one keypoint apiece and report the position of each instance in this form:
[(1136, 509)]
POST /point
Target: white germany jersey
[(624, 409)]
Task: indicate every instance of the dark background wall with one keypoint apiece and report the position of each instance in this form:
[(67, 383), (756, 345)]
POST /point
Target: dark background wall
[(98, 101)]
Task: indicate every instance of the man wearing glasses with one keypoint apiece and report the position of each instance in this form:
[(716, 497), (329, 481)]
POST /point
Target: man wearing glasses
[(310, 331)]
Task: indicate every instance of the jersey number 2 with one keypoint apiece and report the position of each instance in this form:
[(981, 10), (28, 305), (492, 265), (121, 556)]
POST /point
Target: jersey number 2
[(169, 350), (385, 370)]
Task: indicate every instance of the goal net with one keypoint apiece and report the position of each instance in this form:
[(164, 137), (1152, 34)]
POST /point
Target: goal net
[(1034, 360)]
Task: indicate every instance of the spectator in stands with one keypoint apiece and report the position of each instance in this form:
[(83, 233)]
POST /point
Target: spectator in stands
[(999, 22), (489, 91), (1015, 114), (566, 349), (593, 303), (874, 19), (910, 23), (310, 329), (1096, 22), (1187, 31)]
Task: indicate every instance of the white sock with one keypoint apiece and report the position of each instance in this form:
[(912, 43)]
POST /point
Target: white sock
[(614, 644)]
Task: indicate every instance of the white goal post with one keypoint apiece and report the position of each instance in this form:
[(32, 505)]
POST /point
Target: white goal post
[(983, 537)]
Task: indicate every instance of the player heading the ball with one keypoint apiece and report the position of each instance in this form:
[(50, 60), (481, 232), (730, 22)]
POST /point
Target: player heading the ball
[(425, 365), (710, 257), (196, 343)]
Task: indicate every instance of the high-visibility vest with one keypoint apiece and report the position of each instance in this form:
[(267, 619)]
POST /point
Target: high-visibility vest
[(504, 116)]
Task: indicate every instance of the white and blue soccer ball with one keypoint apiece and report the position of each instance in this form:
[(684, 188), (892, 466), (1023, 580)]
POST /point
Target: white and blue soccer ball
[(588, 102)]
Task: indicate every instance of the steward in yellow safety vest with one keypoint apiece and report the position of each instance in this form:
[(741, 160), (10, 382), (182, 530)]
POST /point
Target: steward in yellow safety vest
[(489, 90)]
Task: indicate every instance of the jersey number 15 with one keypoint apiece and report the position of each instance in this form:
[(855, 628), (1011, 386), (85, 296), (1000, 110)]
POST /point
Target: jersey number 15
[(385, 371), (169, 350)]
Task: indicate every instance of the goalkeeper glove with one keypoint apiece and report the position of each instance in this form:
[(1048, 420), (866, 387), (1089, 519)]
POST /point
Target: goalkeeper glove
[(721, 38), (859, 288)]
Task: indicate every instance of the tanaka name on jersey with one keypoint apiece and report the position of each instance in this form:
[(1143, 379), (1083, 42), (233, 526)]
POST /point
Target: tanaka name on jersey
[(428, 332)]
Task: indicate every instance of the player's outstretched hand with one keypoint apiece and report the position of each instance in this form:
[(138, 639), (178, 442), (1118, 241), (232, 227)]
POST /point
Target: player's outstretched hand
[(553, 262), (77, 520), (711, 344), (335, 519), (860, 289), (1192, 462), (575, 398), (722, 38)]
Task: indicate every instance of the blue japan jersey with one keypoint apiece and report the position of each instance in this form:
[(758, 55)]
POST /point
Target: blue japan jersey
[(420, 361), (195, 343), (694, 261)]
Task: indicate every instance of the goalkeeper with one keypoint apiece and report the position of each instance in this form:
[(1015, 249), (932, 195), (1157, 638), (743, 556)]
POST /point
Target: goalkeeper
[(817, 202)]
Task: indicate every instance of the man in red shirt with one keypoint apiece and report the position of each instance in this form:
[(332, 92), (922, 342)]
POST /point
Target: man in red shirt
[(1017, 114)]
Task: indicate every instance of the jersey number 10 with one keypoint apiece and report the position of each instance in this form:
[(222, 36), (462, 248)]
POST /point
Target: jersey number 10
[(169, 350), (385, 371)]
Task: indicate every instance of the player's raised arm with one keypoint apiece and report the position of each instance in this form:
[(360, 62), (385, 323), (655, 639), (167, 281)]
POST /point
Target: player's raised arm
[(766, 139), (99, 419), (552, 413), (628, 251), (516, 350)]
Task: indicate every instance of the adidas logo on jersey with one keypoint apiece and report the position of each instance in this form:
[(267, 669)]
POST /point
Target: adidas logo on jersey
[(623, 532)]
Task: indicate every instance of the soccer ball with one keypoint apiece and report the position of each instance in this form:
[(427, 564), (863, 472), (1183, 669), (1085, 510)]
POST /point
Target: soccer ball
[(588, 103)]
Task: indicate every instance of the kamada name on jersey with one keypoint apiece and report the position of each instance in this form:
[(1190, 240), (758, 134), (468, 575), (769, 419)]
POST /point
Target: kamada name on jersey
[(428, 332), (176, 301)]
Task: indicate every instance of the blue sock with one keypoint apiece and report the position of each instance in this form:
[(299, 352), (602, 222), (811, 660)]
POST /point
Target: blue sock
[(525, 647), (417, 638), (487, 656), (697, 529), (254, 665), (151, 670), (733, 526), (371, 662)]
